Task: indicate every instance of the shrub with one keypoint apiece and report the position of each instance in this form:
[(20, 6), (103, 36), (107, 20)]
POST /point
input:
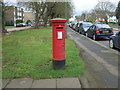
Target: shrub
[(19, 21), (118, 23), (12, 23), (28, 21), (9, 23), (104, 22), (6, 23), (112, 22)]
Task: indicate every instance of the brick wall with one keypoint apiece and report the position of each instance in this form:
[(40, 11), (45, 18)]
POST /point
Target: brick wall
[(9, 13), (28, 16)]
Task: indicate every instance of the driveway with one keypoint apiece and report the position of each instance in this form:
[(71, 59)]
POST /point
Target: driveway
[(101, 63)]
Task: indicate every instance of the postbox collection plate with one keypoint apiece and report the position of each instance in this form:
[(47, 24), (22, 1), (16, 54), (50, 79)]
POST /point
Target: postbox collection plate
[(59, 35)]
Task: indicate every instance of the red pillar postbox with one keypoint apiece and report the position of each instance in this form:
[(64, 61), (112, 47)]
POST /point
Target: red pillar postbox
[(58, 43)]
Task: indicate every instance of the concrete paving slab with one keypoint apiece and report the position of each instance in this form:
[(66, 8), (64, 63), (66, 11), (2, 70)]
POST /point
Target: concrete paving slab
[(5, 82), (20, 83), (44, 83), (68, 83)]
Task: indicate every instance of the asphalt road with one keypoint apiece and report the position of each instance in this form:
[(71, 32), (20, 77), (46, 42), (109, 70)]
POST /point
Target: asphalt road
[(105, 42), (101, 63)]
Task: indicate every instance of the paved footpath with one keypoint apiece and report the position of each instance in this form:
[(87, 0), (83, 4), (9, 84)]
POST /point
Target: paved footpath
[(100, 62), (17, 28), (42, 83)]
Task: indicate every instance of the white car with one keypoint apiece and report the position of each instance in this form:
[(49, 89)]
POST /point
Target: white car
[(20, 25)]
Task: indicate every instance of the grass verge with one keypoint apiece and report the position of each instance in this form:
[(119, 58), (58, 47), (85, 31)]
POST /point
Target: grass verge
[(9, 26), (118, 27), (28, 54), (114, 26)]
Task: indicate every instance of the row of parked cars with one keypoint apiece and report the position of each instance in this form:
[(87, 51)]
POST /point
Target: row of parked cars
[(23, 24), (97, 31)]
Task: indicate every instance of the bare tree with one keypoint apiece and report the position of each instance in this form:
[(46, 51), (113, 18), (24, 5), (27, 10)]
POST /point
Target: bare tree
[(49, 10), (91, 17), (104, 8), (1, 26), (62, 9), (118, 13), (38, 9), (2, 10)]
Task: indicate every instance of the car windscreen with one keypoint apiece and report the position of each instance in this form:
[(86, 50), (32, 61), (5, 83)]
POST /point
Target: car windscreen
[(103, 26), (87, 25)]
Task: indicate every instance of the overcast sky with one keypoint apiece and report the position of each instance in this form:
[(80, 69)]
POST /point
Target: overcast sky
[(87, 5), (80, 5)]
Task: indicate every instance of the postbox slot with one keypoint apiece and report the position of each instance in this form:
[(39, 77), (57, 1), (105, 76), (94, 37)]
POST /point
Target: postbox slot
[(59, 27)]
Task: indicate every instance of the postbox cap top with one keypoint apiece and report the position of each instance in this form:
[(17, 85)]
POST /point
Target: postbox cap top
[(58, 20)]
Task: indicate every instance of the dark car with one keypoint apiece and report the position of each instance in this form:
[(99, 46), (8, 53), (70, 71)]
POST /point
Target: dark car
[(83, 27), (99, 31), (114, 41)]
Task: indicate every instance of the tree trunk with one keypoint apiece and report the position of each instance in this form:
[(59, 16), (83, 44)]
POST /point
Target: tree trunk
[(45, 23), (3, 19), (119, 21), (36, 21), (106, 20), (45, 20)]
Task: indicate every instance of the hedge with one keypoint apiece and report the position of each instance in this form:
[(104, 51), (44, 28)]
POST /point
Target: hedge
[(19, 21)]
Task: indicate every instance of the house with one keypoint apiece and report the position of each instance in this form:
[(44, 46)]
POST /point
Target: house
[(28, 15), (12, 14), (112, 19), (72, 19), (100, 20)]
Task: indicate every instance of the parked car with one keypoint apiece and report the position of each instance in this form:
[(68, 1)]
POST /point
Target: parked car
[(77, 26), (97, 22), (83, 27), (99, 31), (20, 25), (29, 24), (73, 25), (70, 24), (114, 41)]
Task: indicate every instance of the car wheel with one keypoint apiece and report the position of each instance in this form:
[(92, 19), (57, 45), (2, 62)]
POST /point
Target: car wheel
[(111, 44), (94, 37), (86, 34), (79, 32)]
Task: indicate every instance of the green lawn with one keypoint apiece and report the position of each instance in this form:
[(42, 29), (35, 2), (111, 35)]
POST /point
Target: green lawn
[(9, 26), (28, 54), (114, 26)]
